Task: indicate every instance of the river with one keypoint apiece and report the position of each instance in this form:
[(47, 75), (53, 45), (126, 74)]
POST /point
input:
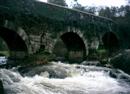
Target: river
[(63, 78)]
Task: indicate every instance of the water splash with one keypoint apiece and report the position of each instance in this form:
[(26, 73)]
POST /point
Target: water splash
[(59, 78), (3, 60)]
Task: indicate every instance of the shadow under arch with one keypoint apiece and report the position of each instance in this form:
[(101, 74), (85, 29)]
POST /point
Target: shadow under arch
[(110, 41), (73, 45), (17, 46)]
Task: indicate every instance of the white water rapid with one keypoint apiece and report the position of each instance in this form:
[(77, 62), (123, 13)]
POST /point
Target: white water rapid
[(60, 78)]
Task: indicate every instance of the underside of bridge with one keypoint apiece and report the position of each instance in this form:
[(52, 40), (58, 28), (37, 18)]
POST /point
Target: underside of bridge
[(110, 41), (71, 46), (17, 47)]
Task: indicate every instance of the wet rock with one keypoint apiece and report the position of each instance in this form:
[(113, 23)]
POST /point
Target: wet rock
[(91, 63), (60, 59), (113, 74), (1, 88), (122, 61), (45, 70)]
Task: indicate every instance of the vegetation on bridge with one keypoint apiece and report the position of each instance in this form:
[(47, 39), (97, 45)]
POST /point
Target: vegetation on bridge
[(59, 18)]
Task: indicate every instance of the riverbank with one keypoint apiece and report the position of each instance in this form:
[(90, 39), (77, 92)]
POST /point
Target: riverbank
[(120, 60), (43, 58)]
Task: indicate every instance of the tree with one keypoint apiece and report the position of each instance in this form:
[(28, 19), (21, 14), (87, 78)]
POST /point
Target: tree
[(91, 10), (58, 2), (84, 8), (78, 7), (105, 12), (128, 1)]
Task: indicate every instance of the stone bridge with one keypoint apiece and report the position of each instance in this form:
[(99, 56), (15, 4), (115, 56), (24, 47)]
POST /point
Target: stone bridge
[(28, 26)]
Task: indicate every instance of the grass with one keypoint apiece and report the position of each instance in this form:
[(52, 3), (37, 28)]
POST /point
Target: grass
[(40, 58), (4, 53)]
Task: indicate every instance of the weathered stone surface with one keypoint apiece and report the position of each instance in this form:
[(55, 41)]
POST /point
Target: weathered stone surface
[(122, 61), (1, 88), (37, 25)]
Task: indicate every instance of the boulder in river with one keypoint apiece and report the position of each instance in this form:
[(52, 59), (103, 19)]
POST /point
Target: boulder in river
[(122, 61)]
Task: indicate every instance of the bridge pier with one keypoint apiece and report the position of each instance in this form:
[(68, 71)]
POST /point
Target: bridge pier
[(18, 54), (76, 56)]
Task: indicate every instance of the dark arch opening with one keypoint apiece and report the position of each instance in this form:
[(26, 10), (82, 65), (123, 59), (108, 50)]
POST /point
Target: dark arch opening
[(110, 41), (75, 46), (15, 43)]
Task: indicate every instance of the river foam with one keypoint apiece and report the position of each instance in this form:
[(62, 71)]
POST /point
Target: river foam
[(60, 78)]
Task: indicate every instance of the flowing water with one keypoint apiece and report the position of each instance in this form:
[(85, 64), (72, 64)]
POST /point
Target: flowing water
[(3, 60), (61, 78)]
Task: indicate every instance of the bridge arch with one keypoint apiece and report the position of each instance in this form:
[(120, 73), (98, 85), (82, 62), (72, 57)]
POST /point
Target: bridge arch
[(72, 46), (17, 46), (110, 41)]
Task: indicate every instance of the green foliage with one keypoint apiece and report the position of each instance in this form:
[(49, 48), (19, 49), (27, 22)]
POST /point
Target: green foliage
[(78, 7), (4, 53), (85, 9), (121, 15), (3, 45)]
